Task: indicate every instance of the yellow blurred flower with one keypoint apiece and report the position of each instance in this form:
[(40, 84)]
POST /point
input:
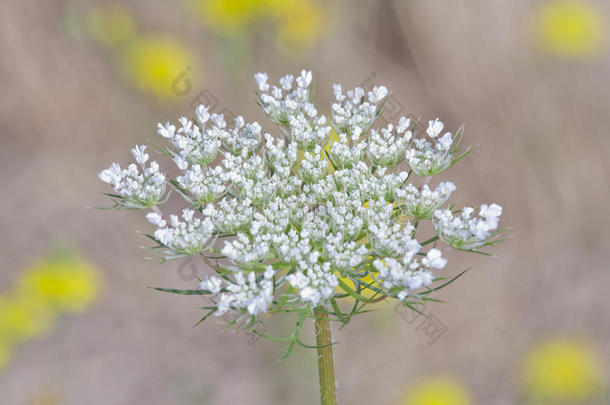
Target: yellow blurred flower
[(153, 64), (57, 283), (438, 391), (230, 16), (22, 317), (563, 370), (569, 28), (298, 23), (61, 282), (111, 24)]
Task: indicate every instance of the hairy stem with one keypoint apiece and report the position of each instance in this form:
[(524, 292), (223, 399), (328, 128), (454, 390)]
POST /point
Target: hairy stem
[(326, 367)]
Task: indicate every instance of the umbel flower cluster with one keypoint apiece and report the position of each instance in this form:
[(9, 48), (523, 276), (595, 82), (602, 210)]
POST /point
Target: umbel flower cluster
[(324, 208)]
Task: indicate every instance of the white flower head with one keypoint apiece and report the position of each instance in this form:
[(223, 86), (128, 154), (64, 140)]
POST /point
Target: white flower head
[(135, 187), (139, 155), (167, 131), (435, 128), (155, 219), (429, 156), (464, 231), (202, 113), (377, 94), (261, 80), (293, 219), (421, 203), (304, 80), (212, 284), (434, 259)]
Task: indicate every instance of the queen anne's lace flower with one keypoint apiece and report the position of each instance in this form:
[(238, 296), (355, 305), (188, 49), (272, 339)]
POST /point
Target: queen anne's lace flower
[(136, 187), (291, 108), (387, 147), (193, 145), (230, 215), (250, 293), (312, 168), (202, 184), (463, 231), (188, 236), (429, 157), (343, 255), (354, 113), (243, 139), (281, 158), (243, 250), (314, 281), (286, 221), (421, 204), (391, 239), (292, 247)]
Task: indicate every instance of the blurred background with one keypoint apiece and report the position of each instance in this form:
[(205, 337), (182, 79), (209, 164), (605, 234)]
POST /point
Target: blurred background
[(83, 81)]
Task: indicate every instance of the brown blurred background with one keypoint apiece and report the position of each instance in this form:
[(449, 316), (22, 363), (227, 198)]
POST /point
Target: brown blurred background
[(78, 92)]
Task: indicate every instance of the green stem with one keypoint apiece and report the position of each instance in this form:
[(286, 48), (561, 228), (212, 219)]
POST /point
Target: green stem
[(326, 367)]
